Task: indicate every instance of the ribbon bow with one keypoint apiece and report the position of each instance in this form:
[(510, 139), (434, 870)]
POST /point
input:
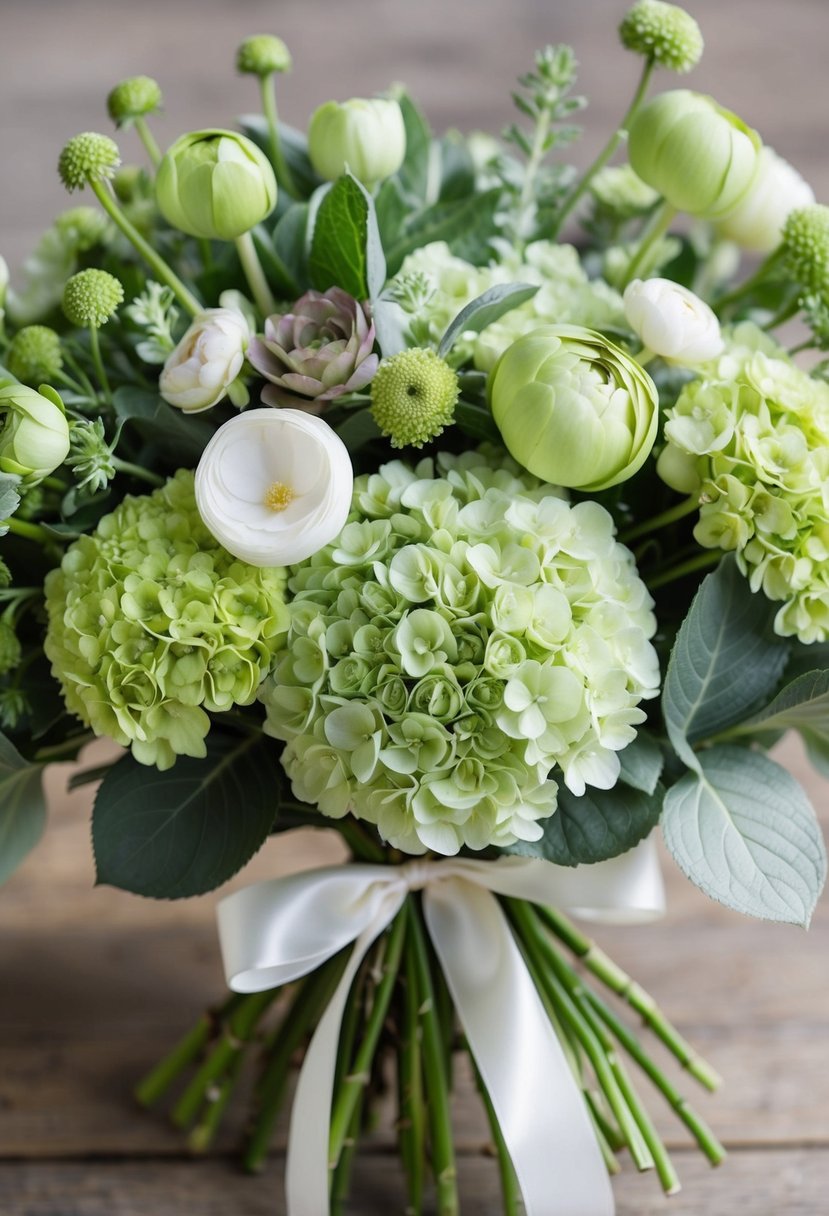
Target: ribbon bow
[(276, 931)]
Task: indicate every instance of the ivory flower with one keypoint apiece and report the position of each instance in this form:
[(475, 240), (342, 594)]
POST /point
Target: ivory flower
[(274, 486), (757, 221), (672, 322), (206, 361)]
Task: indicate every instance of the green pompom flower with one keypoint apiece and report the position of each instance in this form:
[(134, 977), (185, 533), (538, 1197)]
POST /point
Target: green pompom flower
[(664, 33), (806, 247), (152, 624), (133, 98), (82, 228), (34, 354), (263, 54), (88, 158), (91, 297), (413, 397), (468, 640)]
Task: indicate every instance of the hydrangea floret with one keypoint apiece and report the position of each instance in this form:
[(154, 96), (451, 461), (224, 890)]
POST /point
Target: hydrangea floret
[(152, 624), (467, 641), (751, 438)]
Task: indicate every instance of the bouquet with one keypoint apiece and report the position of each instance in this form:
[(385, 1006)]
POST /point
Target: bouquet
[(341, 490)]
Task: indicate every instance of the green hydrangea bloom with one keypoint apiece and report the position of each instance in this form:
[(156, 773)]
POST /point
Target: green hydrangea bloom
[(469, 639), (152, 623), (751, 437)]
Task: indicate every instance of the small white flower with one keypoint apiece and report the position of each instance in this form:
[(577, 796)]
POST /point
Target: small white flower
[(672, 322), (206, 361), (757, 222), (274, 486)]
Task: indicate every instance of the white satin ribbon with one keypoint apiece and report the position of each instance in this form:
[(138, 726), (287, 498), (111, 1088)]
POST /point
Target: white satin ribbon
[(276, 931)]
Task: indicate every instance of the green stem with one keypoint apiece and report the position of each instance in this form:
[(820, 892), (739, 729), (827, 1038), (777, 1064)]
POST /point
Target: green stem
[(135, 470), (341, 1180), (98, 363), (159, 266), (542, 127), (360, 843), (255, 275), (283, 173), (142, 130), (686, 507), (84, 383), (660, 223), (510, 1190), (580, 188), (613, 977), (760, 275), (434, 1069), (69, 747), (701, 562), (784, 314), (410, 1128), (31, 531), (216, 1100), (156, 1083), (353, 1086)]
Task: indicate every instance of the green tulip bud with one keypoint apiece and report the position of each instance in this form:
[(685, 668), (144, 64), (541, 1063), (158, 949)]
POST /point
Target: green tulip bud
[(133, 98), (702, 158), (91, 297), (664, 33), (573, 408), (34, 354), (215, 184), (263, 54), (366, 137), (413, 397), (35, 435), (88, 158)]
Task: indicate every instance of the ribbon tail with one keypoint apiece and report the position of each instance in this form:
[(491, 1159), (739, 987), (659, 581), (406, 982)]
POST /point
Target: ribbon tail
[(306, 1167), (539, 1105)]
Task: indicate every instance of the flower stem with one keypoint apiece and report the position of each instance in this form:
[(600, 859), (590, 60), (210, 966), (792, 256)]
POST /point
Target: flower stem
[(216, 1099), (410, 1128), (159, 266), (342, 1174), (542, 126), (31, 531), (785, 313), (159, 1079), (618, 981), (142, 130), (580, 188), (100, 370), (760, 275), (434, 1068), (255, 275), (701, 562), (135, 470), (280, 165), (510, 1190), (686, 507), (660, 222)]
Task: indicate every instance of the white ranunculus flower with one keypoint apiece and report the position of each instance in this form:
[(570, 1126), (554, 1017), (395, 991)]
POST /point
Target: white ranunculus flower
[(672, 322), (206, 361), (274, 486), (757, 222)]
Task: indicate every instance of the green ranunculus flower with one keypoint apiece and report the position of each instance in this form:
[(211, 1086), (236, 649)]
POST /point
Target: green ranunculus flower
[(34, 439), (215, 184), (573, 408)]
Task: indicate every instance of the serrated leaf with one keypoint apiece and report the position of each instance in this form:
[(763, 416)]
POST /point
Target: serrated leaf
[(743, 830), (338, 246), (724, 662), (22, 807), (598, 825), (187, 830), (642, 763), (484, 310)]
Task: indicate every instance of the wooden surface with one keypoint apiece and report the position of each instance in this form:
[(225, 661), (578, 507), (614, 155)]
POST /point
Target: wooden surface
[(95, 984)]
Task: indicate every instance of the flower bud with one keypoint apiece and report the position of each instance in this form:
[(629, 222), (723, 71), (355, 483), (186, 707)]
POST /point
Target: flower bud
[(91, 297), (366, 137), (672, 322), (82, 228), (756, 223), (573, 408), (206, 361), (88, 158), (664, 33), (263, 54), (700, 157), (35, 435), (215, 184), (274, 486), (413, 397), (133, 98), (34, 354)]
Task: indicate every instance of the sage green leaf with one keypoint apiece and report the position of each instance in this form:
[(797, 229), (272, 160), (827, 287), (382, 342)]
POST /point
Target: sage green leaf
[(642, 763), (413, 174), (743, 830), (598, 825), (725, 660), (486, 308), (187, 830), (22, 807), (467, 225), (803, 704)]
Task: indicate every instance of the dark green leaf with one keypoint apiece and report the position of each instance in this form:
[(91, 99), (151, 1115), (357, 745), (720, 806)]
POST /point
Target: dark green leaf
[(392, 208), (467, 225), (457, 168), (338, 246), (22, 807), (476, 421), (642, 763), (742, 829), (185, 831), (598, 825), (289, 242), (358, 430), (181, 437), (414, 172), (294, 148), (484, 310)]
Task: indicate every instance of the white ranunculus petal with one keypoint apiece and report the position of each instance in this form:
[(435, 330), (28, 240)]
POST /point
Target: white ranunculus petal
[(206, 361), (246, 457), (672, 322)]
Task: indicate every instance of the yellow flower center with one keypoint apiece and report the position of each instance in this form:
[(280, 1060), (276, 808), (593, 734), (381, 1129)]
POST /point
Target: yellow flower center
[(278, 496)]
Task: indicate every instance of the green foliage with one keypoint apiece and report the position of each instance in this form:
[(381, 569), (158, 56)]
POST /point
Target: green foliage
[(598, 825), (22, 807), (487, 308), (346, 250)]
